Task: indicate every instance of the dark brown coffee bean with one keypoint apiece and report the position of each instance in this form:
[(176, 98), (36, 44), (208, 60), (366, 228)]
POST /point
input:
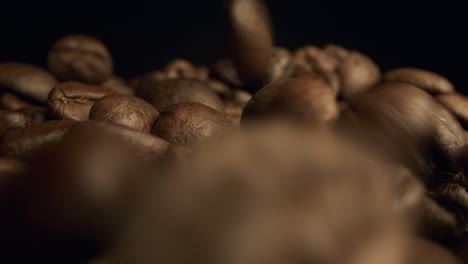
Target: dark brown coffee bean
[(129, 111), (310, 100), (225, 71), (26, 79), (73, 100), (23, 143), (436, 222), (449, 143), (357, 73), (118, 85), (190, 124), (74, 199), (145, 146), (163, 93), (428, 81), (457, 104), (221, 89), (34, 113), (454, 198), (13, 120), (80, 58), (251, 39), (423, 251)]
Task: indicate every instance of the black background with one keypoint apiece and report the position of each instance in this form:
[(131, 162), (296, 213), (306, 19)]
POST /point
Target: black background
[(144, 35)]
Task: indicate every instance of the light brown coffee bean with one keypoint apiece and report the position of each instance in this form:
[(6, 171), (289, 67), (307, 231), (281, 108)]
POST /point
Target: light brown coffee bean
[(190, 124), (430, 82), (125, 110), (73, 100), (26, 79)]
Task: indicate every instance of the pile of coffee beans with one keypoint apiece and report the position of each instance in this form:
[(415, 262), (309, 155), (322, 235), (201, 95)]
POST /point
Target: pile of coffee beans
[(269, 155)]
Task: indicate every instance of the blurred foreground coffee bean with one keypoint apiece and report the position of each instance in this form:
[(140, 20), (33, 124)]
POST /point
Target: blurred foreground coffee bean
[(73, 100), (457, 104), (273, 193), (422, 251), (24, 143), (308, 100), (148, 148), (125, 110), (73, 200), (9, 170), (164, 93), (80, 58), (190, 124), (251, 40), (426, 80), (27, 80), (118, 85)]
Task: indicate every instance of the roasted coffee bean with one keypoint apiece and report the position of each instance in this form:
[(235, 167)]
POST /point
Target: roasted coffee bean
[(233, 112), (310, 100), (221, 89), (337, 51), (398, 120), (357, 73), (147, 147), (423, 251), (454, 198), (125, 110), (279, 65), (271, 193), (428, 81), (449, 144), (73, 200), (34, 113), (225, 71), (80, 58), (26, 79), (180, 69), (190, 124), (118, 85), (164, 93), (23, 143), (251, 40), (73, 100), (457, 104), (240, 97), (13, 120), (436, 222)]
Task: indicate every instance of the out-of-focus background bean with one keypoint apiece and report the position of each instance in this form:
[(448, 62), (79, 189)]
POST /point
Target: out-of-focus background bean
[(145, 35)]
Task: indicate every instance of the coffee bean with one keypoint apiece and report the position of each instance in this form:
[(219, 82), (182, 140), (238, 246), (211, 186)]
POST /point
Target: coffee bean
[(457, 104), (34, 113), (423, 251), (180, 69), (125, 110), (221, 89), (240, 97), (273, 192), (73, 100), (337, 51), (454, 198), (73, 200), (251, 40), (309, 100), (190, 124), (24, 143), (118, 85), (144, 146), (357, 73), (428, 81), (164, 93), (398, 120), (279, 64), (13, 120), (80, 58), (26, 79), (224, 70), (436, 222)]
